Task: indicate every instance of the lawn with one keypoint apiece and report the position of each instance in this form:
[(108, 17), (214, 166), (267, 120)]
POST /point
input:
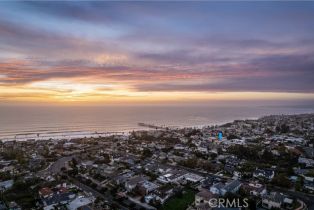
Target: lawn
[(180, 203)]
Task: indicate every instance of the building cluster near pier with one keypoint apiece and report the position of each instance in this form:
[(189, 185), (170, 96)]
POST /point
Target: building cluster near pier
[(268, 161)]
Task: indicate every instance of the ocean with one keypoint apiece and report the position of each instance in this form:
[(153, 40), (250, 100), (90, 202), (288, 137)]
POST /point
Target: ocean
[(19, 122)]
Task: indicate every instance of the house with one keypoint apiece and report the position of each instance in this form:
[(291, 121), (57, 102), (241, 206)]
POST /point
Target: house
[(293, 179), (229, 187), (229, 169), (5, 185), (308, 162), (149, 198), (232, 161), (308, 178), (237, 174), (14, 206), (130, 161), (79, 202), (57, 198), (191, 177), (87, 164), (309, 185), (179, 147), (255, 189), (287, 203), (296, 140), (264, 173), (36, 162), (172, 176), (309, 152), (123, 177), (203, 198), (3, 206), (217, 188), (9, 168), (238, 141), (275, 152), (202, 150), (207, 183), (273, 200), (45, 192), (146, 187), (163, 169), (132, 182), (163, 193), (300, 171)]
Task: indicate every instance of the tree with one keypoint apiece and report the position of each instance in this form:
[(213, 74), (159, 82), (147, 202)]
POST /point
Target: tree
[(146, 153), (310, 173), (281, 181), (207, 166), (190, 163), (283, 128), (106, 158), (232, 136), (213, 156), (298, 186), (74, 162)]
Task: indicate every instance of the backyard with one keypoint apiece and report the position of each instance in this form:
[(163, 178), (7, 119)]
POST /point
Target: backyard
[(180, 202)]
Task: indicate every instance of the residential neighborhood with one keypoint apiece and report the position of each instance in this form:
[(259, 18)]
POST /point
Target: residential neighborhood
[(267, 163)]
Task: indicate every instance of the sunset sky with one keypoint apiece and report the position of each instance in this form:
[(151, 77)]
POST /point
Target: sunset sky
[(155, 52)]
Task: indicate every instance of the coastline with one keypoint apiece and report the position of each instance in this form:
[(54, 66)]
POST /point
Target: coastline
[(68, 135)]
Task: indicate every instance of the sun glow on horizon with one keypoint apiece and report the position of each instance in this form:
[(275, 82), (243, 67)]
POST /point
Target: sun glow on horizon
[(68, 91), (160, 52)]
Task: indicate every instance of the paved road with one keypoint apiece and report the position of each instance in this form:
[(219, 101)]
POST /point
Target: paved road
[(205, 174), (307, 198), (144, 205), (96, 193), (55, 167)]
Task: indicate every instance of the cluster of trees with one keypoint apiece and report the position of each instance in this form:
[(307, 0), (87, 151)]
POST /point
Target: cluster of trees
[(105, 160), (281, 180), (248, 153), (147, 137), (146, 153), (283, 128), (258, 154), (232, 136), (5, 175), (198, 163), (193, 132), (22, 193), (14, 154), (189, 163)]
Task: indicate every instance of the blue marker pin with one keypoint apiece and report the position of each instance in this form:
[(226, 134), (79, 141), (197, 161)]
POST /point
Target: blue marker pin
[(220, 135)]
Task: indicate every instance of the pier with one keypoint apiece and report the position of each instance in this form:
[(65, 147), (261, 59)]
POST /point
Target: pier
[(152, 126)]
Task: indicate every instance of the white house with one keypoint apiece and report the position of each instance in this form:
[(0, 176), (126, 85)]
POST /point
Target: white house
[(274, 200)]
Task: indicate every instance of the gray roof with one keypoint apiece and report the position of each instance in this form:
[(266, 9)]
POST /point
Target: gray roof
[(6, 184), (58, 198), (205, 194), (135, 180), (229, 168), (275, 197), (2, 206), (309, 151), (264, 172), (219, 185), (232, 185)]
